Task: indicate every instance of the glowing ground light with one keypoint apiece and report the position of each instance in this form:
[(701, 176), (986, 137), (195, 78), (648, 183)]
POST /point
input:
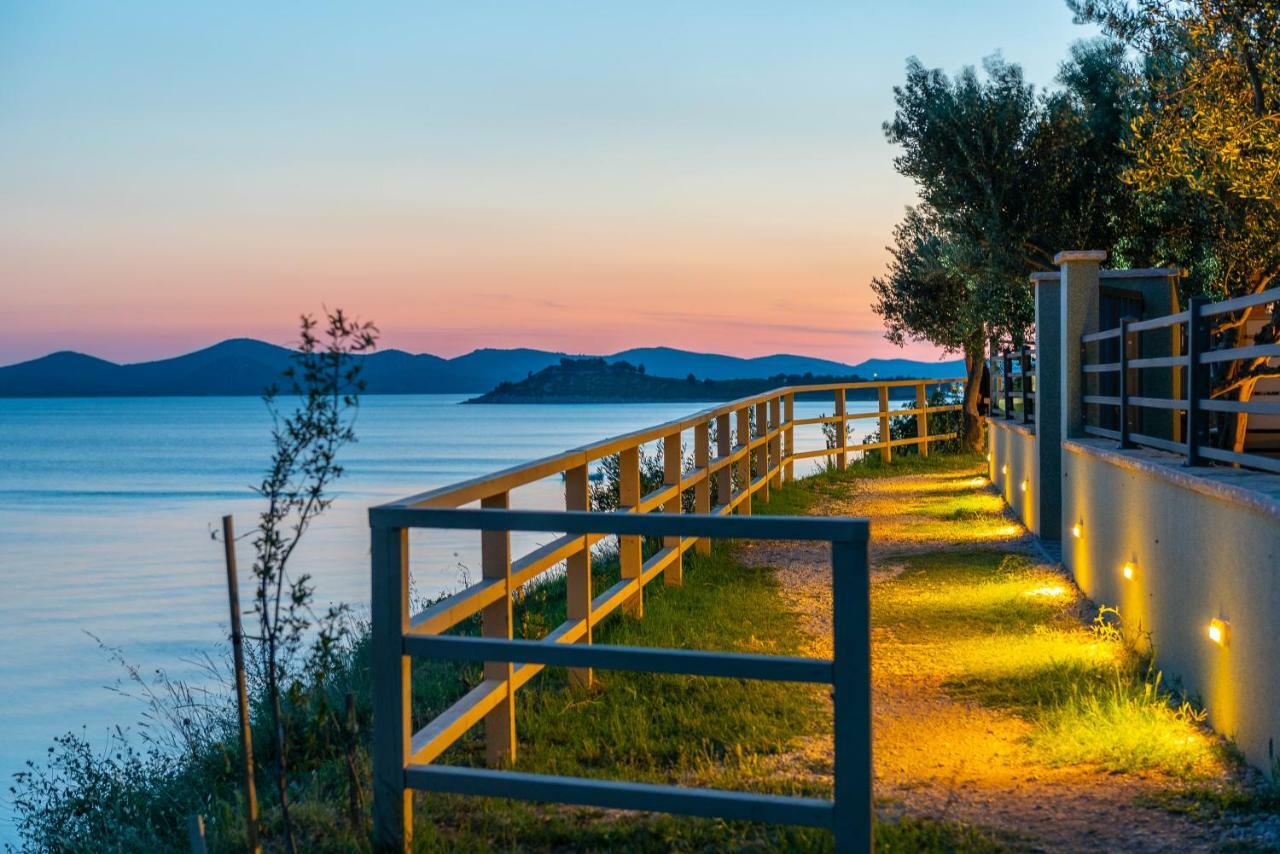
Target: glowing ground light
[(1054, 590), (1076, 530), (1127, 571), (1004, 469), (1218, 632), (1023, 486)]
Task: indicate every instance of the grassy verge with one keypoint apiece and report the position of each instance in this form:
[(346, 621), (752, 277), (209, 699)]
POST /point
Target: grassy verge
[(1010, 635), (705, 732)]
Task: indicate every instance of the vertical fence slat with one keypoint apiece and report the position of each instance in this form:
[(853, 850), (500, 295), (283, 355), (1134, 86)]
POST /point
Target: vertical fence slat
[(922, 419), (761, 453), (630, 555), (389, 613), (1005, 385), (495, 622), (672, 468), (724, 447), (1197, 329), (842, 431), (1024, 369), (775, 444), (789, 436), (851, 626), (578, 568), (744, 464), (1125, 442), (886, 451), (702, 491)]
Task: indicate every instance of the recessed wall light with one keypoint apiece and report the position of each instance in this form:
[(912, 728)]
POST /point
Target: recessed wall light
[(1219, 631)]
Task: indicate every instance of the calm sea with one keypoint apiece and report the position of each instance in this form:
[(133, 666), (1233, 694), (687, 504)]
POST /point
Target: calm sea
[(106, 509)]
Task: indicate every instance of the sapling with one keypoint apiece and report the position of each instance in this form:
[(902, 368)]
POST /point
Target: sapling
[(325, 381)]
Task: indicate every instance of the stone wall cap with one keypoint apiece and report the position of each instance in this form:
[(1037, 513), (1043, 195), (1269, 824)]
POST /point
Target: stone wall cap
[(1136, 273), (1144, 273), (1255, 490), (1069, 255)]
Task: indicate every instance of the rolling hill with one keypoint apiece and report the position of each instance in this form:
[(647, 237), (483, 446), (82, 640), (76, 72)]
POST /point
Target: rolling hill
[(244, 366)]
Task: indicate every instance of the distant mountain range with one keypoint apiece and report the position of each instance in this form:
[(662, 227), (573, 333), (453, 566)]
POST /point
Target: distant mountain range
[(244, 366)]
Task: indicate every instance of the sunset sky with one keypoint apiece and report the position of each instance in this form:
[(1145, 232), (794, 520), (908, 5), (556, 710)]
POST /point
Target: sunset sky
[(579, 176)]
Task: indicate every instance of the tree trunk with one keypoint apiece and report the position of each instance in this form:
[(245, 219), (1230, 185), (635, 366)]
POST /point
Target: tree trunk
[(973, 432)]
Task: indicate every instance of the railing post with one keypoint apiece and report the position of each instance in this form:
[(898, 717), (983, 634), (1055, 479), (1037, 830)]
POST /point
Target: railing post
[(672, 468), (1024, 369), (577, 496), (761, 453), (1006, 361), (922, 419), (789, 436), (851, 660), (389, 613), (496, 622), (1197, 343), (744, 464), (842, 439), (1124, 383), (630, 556), (775, 444), (702, 490), (724, 447), (886, 437)]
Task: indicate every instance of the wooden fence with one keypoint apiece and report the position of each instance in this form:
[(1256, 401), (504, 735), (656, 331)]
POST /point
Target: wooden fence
[(755, 451)]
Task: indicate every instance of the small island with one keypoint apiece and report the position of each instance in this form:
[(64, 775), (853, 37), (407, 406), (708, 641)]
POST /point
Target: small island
[(594, 380)]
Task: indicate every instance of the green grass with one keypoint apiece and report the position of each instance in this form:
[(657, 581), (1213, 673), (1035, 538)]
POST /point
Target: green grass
[(696, 732), (1011, 637), (655, 728), (909, 835), (799, 497)]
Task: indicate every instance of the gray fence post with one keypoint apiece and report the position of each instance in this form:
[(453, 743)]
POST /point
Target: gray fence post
[(1125, 391), (851, 654), (1197, 386), (1048, 409), (389, 616)]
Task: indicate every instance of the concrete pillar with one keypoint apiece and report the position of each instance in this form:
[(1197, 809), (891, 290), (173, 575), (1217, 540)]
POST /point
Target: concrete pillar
[(1078, 315), (1048, 411)]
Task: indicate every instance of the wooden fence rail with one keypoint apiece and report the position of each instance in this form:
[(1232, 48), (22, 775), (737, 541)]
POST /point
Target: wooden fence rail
[(758, 455)]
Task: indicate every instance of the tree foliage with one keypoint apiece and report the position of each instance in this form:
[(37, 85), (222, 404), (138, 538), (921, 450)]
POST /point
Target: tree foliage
[(1205, 144), (1006, 178)]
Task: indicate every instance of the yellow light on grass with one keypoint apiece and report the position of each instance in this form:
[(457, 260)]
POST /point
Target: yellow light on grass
[(1128, 571), (1219, 631), (1053, 590)]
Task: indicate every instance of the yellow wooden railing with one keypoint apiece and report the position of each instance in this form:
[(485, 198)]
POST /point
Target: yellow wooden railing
[(768, 442)]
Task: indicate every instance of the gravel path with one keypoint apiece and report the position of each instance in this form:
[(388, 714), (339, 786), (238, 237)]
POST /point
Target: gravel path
[(945, 758)]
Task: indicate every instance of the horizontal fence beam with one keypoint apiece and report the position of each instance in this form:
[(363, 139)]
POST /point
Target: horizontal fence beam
[(633, 524), (1255, 351), (1240, 303), (612, 794), (686, 662), (1159, 322)]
